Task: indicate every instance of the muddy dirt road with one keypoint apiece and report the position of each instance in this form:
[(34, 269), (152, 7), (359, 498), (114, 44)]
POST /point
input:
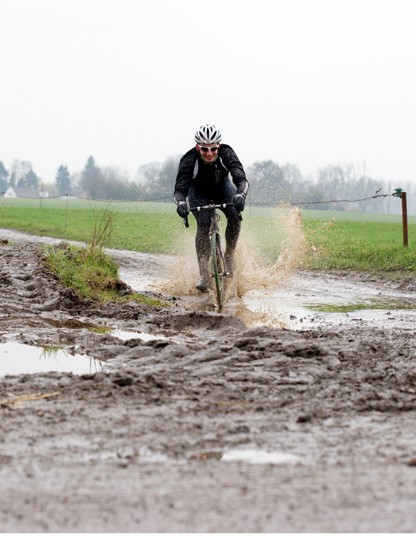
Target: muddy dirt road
[(273, 417)]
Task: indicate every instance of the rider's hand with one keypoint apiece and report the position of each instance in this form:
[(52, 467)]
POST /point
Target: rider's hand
[(182, 209), (239, 202)]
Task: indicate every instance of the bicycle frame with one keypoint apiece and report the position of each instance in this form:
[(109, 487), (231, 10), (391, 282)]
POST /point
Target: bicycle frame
[(218, 268)]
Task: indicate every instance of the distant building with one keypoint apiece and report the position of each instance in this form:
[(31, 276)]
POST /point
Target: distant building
[(30, 193)]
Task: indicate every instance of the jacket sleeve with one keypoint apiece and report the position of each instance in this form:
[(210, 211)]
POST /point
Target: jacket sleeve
[(184, 175), (235, 167)]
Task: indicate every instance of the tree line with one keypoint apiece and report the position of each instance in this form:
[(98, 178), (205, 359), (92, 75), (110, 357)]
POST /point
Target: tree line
[(336, 186)]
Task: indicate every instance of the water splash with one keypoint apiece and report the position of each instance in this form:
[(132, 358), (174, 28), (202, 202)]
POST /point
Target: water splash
[(285, 237), (184, 272)]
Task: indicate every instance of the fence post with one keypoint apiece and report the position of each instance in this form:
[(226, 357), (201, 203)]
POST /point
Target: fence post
[(400, 193), (404, 219)]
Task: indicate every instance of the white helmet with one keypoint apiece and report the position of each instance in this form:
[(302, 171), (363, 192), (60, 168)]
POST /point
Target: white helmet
[(207, 134)]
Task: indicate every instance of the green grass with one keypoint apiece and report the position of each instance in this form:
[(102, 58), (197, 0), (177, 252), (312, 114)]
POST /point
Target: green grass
[(91, 273), (144, 231), (366, 246), (345, 308), (334, 240)]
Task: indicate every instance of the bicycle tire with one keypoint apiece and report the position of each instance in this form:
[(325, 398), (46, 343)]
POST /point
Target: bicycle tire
[(218, 268)]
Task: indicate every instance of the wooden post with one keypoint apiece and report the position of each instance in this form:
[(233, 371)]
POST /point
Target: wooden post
[(404, 219)]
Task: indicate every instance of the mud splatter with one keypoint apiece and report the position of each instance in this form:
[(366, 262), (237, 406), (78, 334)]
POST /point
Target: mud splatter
[(252, 270)]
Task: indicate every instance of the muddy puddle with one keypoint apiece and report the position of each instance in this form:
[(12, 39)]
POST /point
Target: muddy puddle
[(307, 301), (17, 358), (249, 456), (144, 336), (146, 455), (280, 297), (301, 301)]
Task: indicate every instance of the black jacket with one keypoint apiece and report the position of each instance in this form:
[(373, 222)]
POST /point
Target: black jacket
[(192, 171)]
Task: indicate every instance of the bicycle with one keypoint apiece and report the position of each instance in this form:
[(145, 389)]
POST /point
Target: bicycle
[(218, 267)]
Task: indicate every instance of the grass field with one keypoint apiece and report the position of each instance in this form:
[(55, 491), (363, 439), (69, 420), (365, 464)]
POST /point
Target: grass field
[(333, 239)]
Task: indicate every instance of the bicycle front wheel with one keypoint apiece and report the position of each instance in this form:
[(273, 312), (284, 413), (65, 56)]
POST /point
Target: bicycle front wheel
[(218, 268)]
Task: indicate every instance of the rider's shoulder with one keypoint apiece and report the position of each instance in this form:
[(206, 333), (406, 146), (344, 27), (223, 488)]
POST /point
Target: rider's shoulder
[(227, 152), (189, 156), (225, 148)]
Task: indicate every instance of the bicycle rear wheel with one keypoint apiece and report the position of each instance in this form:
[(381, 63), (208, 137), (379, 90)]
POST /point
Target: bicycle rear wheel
[(218, 268)]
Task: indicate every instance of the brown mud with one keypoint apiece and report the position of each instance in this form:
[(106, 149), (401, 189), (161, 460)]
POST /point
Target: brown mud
[(288, 420)]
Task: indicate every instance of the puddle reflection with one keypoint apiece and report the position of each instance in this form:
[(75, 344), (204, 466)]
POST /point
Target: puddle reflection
[(129, 335), (251, 456), (16, 358), (260, 457)]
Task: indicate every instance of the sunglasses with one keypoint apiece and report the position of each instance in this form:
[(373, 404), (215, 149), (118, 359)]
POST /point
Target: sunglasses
[(207, 149)]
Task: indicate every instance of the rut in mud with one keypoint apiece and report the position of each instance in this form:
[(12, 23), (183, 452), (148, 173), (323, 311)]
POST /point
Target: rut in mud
[(158, 438)]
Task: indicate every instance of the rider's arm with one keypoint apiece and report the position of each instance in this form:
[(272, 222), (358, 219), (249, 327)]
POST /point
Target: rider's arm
[(184, 175), (235, 168)]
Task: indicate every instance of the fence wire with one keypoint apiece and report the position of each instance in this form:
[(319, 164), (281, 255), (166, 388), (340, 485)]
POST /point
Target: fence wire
[(168, 199), (375, 196)]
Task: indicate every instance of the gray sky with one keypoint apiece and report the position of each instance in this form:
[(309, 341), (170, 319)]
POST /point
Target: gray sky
[(311, 82)]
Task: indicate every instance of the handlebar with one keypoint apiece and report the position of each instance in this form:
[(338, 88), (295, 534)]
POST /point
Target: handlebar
[(210, 206)]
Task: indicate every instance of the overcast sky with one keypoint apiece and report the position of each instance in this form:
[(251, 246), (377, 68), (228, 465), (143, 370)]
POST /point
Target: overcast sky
[(311, 82)]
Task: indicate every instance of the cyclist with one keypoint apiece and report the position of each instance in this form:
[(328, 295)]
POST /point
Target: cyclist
[(204, 177)]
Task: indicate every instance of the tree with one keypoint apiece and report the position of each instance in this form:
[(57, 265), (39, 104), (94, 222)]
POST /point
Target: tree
[(116, 185), (147, 174), (165, 183), (347, 187), (368, 188), (157, 180), (18, 171), (293, 184), (4, 176), (92, 179), (267, 185), (30, 180), (63, 180)]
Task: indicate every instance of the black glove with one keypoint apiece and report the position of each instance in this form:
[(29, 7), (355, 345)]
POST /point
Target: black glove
[(182, 209), (239, 202)]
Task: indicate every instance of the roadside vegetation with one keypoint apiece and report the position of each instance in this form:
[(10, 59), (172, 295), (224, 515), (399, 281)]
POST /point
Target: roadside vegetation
[(89, 271), (335, 240), (92, 274)]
